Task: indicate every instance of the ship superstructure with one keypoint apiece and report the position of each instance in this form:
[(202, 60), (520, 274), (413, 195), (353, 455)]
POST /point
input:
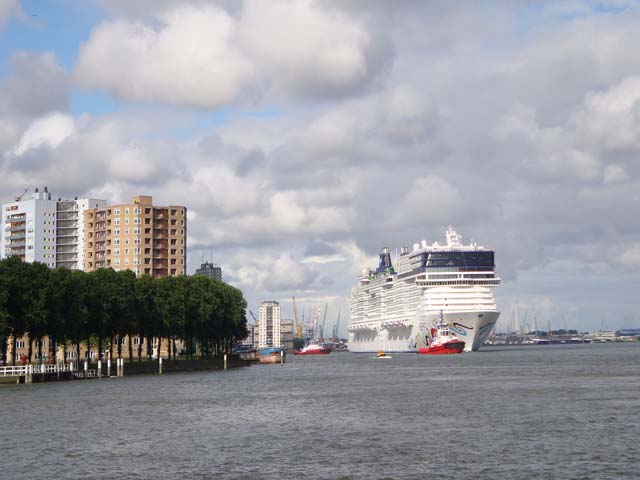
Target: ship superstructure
[(396, 307)]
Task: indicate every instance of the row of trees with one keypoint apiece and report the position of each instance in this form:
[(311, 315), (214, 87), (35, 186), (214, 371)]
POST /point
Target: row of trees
[(72, 307)]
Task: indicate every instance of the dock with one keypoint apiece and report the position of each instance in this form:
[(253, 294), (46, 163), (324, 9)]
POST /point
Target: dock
[(43, 373)]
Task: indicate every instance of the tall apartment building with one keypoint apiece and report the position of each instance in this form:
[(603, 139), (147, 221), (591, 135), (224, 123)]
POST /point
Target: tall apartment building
[(137, 236), (269, 324), (286, 335), (42, 229)]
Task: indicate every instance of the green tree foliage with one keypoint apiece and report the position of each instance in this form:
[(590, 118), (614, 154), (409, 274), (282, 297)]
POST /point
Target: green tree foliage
[(105, 305)]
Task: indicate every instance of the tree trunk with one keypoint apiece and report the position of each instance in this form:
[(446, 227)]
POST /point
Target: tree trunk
[(39, 348), (30, 350), (119, 346), (78, 352), (3, 351), (174, 348), (149, 348), (130, 348), (88, 352), (99, 348), (168, 347), (140, 339), (111, 348)]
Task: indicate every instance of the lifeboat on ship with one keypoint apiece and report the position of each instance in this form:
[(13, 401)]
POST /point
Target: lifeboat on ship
[(443, 341)]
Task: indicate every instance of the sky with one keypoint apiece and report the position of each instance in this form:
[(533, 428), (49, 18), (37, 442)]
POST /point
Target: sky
[(305, 135)]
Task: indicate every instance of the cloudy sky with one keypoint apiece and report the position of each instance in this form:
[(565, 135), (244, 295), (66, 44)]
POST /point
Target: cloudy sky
[(304, 135)]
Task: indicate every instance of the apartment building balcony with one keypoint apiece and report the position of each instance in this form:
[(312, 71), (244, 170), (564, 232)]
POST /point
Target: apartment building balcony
[(17, 218), (160, 272), (15, 250), (67, 240), (66, 206), (66, 257), (160, 236), (68, 265), (67, 249), (20, 227), (16, 244), (67, 223), (66, 234), (160, 225), (16, 236)]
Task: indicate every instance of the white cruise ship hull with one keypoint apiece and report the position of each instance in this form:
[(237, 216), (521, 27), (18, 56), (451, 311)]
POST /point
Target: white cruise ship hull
[(472, 327)]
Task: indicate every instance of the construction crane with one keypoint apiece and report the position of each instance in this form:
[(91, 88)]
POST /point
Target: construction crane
[(255, 320), (19, 197), (295, 319), (336, 327)]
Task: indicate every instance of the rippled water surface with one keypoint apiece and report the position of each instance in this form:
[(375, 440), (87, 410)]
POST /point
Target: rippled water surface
[(512, 412)]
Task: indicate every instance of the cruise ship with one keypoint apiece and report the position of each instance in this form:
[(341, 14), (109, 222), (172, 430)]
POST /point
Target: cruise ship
[(395, 307)]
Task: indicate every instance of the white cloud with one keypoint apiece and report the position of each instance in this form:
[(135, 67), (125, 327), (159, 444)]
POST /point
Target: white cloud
[(201, 56), (629, 258), (315, 52), (188, 58), (614, 174), (49, 131)]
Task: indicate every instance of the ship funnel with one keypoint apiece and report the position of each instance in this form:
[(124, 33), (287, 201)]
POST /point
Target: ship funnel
[(384, 264)]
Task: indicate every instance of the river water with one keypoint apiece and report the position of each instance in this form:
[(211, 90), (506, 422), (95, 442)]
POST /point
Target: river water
[(513, 412)]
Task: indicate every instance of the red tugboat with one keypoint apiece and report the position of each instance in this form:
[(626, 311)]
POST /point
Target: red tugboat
[(443, 342), (313, 348)]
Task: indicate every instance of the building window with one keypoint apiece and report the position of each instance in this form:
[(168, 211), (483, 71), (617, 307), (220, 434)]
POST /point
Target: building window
[(116, 211), (126, 211)]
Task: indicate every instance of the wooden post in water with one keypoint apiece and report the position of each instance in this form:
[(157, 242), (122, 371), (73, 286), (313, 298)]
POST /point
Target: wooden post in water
[(28, 378), (99, 368), (86, 369), (160, 365), (225, 361), (109, 367), (282, 358)]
